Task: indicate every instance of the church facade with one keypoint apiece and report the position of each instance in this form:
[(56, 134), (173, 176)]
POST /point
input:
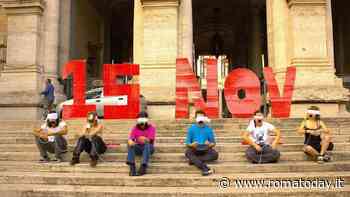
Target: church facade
[(39, 36)]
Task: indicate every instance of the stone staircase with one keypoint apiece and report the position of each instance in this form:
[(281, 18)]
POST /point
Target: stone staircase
[(169, 172)]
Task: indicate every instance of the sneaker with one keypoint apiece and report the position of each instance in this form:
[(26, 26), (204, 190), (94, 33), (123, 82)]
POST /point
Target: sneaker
[(132, 171), (327, 157), (143, 170), (93, 163), (320, 159), (207, 172), (44, 160)]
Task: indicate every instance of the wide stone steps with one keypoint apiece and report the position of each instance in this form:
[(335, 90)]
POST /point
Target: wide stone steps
[(171, 148), (158, 180), (167, 133), (183, 124), (116, 139), (170, 157), (20, 190), (170, 126), (180, 168), (169, 172)]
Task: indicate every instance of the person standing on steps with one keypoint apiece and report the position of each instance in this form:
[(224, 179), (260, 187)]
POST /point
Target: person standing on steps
[(90, 141), (49, 97), (318, 138), (261, 150), (141, 142), (200, 143), (51, 137)]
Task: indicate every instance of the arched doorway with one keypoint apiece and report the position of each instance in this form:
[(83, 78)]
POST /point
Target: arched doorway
[(233, 29), (235, 32), (101, 32)]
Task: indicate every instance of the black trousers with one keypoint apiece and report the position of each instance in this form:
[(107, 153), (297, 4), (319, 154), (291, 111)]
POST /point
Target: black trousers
[(199, 160), (267, 155), (94, 147)]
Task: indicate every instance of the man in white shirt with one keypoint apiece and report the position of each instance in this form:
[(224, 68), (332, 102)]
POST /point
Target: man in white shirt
[(51, 137), (257, 135)]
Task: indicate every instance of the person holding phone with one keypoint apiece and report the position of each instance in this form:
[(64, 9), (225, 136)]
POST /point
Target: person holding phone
[(257, 136), (90, 141), (51, 137), (141, 142), (318, 138), (200, 143)]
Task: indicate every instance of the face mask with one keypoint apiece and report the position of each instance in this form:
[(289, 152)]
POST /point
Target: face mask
[(91, 119), (313, 114), (142, 121), (201, 119), (258, 118)]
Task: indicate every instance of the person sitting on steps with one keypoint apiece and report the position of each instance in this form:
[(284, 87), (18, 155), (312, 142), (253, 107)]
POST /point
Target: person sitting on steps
[(257, 136), (318, 137), (141, 142), (90, 141), (200, 142), (51, 137)]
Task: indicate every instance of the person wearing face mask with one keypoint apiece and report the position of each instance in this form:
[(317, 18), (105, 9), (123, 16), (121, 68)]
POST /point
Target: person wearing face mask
[(141, 142), (257, 135), (318, 137), (90, 141), (200, 142), (51, 137)]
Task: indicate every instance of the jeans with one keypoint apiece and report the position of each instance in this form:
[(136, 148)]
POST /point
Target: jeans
[(93, 147), (59, 147), (146, 150), (200, 160), (267, 155)]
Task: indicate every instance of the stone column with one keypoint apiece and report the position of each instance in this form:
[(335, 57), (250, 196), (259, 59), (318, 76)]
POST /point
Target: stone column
[(51, 44), (20, 83), (316, 81), (256, 50), (52, 14), (138, 32), (65, 33), (186, 30), (158, 71), (277, 34)]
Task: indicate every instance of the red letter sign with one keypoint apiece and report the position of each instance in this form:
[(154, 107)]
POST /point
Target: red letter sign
[(79, 108), (242, 81), (280, 104), (186, 82), (131, 107)]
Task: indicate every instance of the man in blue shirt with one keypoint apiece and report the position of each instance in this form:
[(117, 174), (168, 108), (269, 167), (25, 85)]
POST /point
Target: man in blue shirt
[(49, 96), (200, 142)]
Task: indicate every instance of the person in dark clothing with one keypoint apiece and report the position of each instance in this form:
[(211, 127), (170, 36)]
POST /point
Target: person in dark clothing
[(200, 142), (318, 138), (90, 141), (141, 142), (49, 96)]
